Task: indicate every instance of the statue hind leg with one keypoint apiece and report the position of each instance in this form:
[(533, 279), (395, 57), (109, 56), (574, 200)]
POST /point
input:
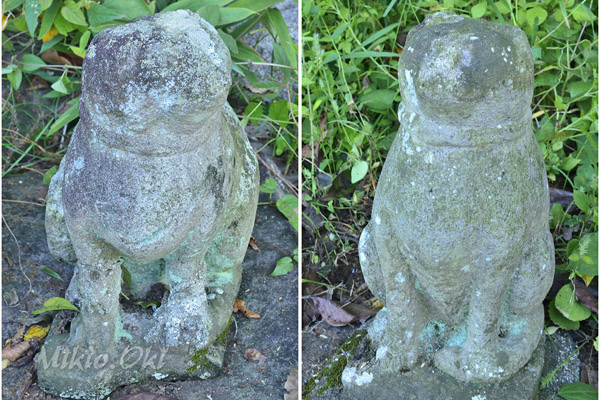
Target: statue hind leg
[(59, 241)]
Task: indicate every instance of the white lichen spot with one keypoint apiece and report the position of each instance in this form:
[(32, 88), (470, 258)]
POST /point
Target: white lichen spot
[(436, 260), (377, 220), (478, 293), (473, 38), (79, 163), (510, 81), (499, 126), (466, 268), (492, 49), (419, 149), (410, 49), (521, 70), (508, 48), (349, 376), (543, 267), (362, 256), (488, 259), (505, 59), (412, 184), (499, 178), (409, 334), (158, 376), (478, 397), (381, 352), (490, 197), (400, 277), (219, 291)]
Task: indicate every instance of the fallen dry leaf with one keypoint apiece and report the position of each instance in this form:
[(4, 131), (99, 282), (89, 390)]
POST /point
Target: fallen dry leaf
[(12, 353), (253, 243), (5, 363), (255, 90), (254, 355), (332, 313), (36, 331), (586, 297), (362, 313), (291, 385), (52, 57), (241, 307)]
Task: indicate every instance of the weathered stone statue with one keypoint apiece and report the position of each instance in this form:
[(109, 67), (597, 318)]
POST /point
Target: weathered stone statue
[(159, 181), (458, 247)]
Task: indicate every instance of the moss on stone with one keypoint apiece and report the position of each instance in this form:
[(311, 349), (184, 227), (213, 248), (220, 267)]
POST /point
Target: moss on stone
[(200, 357), (330, 376)]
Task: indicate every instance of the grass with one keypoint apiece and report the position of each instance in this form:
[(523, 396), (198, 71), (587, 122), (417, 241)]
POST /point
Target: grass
[(351, 95)]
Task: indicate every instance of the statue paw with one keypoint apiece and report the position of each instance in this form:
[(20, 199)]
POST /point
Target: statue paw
[(489, 365), (180, 324)]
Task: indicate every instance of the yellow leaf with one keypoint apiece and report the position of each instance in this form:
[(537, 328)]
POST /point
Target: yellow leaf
[(587, 279), (36, 331), (5, 363), (4, 23), (51, 33)]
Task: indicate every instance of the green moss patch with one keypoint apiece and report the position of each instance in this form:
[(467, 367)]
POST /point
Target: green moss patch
[(330, 376)]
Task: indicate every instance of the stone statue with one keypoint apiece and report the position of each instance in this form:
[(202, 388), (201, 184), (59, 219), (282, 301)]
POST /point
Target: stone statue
[(160, 181), (458, 247)]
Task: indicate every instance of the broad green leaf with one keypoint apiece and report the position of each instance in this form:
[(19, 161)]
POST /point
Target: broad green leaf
[(114, 11), (62, 25), (536, 15), (566, 302), (146, 304), (587, 250), (274, 22), (359, 170), (560, 319), (279, 112), (379, 34), (72, 13), (379, 99), (288, 206), (193, 5), (33, 9), (32, 63), (581, 200), (578, 391), (229, 41), (569, 163), (47, 178), (45, 4), (581, 13), (231, 15), (63, 85), (15, 78), (46, 270), (56, 303), (254, 111), (11, 4), (269, 186), (369, 54), (579, 88), (478, 10), (211, 13), (284, 265), (84, 39), (48, 18), (255, 5), (66, 117)]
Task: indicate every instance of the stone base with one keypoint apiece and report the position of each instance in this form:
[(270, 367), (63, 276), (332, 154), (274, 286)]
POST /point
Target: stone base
[(426, 382), (92, 373)]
